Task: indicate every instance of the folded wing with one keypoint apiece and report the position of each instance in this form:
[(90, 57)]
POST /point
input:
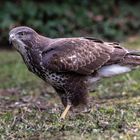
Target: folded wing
[(81, 55)]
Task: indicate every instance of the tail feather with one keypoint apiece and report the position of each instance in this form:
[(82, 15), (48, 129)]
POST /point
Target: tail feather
[(134, 52), (132, 58)]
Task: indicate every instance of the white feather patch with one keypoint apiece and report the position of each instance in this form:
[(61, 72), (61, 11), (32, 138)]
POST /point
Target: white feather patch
[(112, 70)]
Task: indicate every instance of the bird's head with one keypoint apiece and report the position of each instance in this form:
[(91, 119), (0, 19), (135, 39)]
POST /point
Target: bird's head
[(22, 38)]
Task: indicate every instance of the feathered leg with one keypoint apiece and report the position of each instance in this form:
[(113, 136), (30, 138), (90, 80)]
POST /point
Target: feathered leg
[(65, 102)]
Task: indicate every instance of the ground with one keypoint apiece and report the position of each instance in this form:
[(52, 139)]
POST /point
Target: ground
[(29, 109)]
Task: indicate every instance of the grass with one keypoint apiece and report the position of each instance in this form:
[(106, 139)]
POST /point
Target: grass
[(13, 72), (29, 109)]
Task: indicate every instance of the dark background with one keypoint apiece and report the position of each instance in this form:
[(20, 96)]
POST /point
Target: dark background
[(111, 19)]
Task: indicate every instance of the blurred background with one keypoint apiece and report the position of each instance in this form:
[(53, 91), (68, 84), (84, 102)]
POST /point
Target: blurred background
[(29, 109), (112, 19)]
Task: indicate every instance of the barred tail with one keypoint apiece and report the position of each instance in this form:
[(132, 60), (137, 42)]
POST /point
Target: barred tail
[(132, 58)]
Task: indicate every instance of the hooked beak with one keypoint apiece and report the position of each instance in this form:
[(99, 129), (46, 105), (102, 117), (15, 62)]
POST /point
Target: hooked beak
[(11, 38), (10, 42)]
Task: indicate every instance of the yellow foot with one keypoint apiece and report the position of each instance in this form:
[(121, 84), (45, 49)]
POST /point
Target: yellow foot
[(63, 115)]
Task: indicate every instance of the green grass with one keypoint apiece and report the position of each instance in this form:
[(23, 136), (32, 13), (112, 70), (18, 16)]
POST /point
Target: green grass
[(13, 73), (30, 110)]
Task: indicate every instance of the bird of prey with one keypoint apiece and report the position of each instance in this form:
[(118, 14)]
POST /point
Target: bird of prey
[(71, 65)]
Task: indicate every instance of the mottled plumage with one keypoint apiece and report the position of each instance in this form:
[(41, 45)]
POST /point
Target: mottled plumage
[(71, 65)]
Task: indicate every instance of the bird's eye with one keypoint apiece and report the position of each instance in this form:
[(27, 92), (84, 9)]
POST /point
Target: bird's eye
[(21, 33)]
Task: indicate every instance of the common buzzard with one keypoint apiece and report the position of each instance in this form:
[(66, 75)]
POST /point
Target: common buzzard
[(71, 65)]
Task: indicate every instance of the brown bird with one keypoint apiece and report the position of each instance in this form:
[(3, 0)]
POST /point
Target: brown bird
[(71, 65)]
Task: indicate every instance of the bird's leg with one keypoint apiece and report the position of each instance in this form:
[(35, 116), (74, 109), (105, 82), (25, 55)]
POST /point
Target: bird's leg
[(63, 115)]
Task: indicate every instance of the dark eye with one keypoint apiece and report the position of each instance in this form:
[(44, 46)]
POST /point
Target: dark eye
[(21, 33)]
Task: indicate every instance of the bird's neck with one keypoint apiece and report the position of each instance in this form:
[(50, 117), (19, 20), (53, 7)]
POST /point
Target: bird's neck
[(42, 42)]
